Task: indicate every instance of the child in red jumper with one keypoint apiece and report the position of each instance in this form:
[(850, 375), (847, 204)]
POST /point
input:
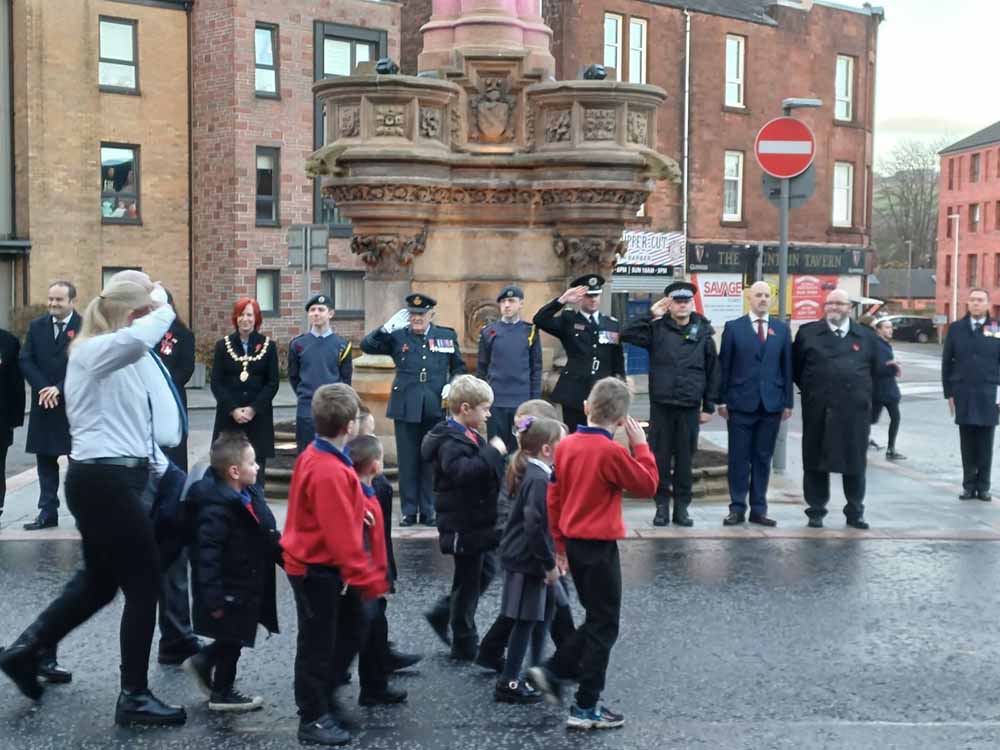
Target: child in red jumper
[(585, 517), (324, 552)]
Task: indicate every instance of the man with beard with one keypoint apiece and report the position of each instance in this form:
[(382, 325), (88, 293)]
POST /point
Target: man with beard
[(835, 361)]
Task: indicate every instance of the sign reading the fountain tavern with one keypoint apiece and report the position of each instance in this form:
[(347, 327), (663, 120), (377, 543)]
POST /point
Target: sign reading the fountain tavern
[(651, 253)]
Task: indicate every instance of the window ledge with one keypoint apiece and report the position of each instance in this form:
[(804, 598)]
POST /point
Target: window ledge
[(111, 221), (735, 110), (268, 224), (268, 95), (851, 124), (834, 229), (734, 223), (119, 90)]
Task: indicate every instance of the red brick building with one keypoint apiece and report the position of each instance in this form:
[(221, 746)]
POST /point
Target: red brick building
[(969, 192), (255, 122)]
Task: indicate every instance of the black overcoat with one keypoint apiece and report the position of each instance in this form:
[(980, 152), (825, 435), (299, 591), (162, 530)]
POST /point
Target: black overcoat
[(836, 378), (232, 562), (43, 363), (970, 371), (258, 391), (11, 388)]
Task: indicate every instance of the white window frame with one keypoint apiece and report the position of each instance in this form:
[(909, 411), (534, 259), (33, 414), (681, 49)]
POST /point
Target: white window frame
[(738, 77), (738, 179), (845, 190), (639, 24), (843, 84), (619, 22)]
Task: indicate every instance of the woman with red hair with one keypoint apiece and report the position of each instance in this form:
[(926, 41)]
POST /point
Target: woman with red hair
[(245, 381)]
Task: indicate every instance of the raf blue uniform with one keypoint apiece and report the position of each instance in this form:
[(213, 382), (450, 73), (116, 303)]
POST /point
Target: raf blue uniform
[(424, 365), (756, 387), (510, 360), (315, 360)]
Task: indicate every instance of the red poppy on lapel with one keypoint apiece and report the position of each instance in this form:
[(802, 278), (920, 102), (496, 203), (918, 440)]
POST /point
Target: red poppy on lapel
[(406, 347), (493, 332), (71, 333), (257, 348), (856, 347), (770, 331)]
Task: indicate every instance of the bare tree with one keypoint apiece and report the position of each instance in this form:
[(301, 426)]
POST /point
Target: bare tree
[(905, 204)]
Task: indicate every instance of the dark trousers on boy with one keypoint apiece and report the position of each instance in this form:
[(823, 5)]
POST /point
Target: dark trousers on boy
[(597, 573), (222, 656), (473, 575)]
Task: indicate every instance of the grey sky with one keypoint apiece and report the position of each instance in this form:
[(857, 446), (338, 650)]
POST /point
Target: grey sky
[(937, 69)]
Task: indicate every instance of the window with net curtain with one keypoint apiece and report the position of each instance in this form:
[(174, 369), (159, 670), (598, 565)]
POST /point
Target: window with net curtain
[(347, 288)]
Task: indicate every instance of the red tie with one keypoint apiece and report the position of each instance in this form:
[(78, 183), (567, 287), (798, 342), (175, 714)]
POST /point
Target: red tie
[(760, 330)]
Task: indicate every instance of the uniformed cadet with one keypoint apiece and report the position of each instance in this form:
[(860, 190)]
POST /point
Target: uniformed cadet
[(510, 360), (316, 358), (427, 357), (592, 342)]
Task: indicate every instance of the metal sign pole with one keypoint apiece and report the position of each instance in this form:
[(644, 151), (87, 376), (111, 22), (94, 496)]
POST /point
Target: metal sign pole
[(783, 209)]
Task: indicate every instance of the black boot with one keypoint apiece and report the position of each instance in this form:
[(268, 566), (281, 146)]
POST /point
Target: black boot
[(20, 662), (662, 517), (49, 669), (142, 707)]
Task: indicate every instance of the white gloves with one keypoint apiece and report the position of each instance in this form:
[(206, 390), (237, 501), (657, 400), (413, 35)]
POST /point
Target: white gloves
[(158, 295), (400, 320), (445, 391)]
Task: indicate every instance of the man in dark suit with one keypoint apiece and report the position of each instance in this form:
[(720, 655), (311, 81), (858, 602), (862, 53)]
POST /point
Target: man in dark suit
[(834, 361), (592, 342), (43, 362), (756, 386), (970, 373), (11, 401)]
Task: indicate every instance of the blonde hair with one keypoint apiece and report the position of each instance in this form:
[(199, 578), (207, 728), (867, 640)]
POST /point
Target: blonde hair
[(609, 401), (110, 310), (468, 389)]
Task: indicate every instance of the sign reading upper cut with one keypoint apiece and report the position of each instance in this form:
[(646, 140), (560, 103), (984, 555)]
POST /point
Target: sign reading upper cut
[(785, 147)]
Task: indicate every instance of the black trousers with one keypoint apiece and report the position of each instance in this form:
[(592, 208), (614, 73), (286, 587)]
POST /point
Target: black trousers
[(816, 487), (48, 486), (223, 656), (174, 610), (893, 408), (473, 575), (416, 490), (674, 439), (119, 552), (573, 417), (597, 574), (501, 424), (977, 457), (373, 673), (3, 474)]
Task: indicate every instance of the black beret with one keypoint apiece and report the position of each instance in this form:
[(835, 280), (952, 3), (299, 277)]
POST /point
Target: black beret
[(319, 299), (510, 292)]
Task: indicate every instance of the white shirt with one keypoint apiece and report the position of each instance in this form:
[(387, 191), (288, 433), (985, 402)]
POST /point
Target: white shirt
[(107, 400), (327, 332), (593, 316), (845, 326), (753, 323), (980, 321), (64, 322), (544, 466)]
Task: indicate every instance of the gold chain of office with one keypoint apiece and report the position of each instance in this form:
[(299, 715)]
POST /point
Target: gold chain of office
[(246, 359)]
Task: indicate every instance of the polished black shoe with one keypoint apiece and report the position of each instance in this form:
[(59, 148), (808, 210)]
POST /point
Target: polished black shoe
[(387, 696), (516, 691), (894, 455), (733, 519), (142, 707), (42, 523), (858, 523), (815, 523), (177, 656), (490, 662), (326, 730), (968, 496), (662, 517), (20, 661), (763, 521), (397, 661), (682, 519), (407, 521), (432, 521), (439, 621), (50, 671)]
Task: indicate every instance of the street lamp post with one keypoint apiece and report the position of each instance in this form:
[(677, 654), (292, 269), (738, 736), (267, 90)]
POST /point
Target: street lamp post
[(954, 268), (909, 274)]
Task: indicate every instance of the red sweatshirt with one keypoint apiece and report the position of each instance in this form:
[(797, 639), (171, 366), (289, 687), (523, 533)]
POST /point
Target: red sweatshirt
[(374, 536), (325, 517), (585, 496)]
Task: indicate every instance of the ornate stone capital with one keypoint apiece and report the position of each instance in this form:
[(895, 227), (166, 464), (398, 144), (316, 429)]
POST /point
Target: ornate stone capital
[(388, 253), (588, 253)]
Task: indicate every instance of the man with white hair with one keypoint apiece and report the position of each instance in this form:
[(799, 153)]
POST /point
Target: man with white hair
[(835, 361)]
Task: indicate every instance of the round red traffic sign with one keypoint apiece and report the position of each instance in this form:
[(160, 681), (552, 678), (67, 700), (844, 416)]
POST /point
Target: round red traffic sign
[(785, 147)]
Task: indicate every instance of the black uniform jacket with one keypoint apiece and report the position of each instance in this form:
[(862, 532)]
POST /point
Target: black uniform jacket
[(258, 391), (592, 352), (176, 350), (11, 388), (527, 546), (836, 378), (43, 363), (232, 562), (970, 371)]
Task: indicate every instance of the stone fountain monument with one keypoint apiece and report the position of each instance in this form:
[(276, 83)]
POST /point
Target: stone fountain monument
[(483, 170)]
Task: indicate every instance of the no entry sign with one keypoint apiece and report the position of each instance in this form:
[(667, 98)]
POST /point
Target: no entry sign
[(785, 147)]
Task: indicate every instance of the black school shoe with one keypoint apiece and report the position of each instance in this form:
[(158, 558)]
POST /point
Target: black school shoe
[(325, 730), (515, 691), (234, 701), (387, 696), (142, 707), (177, 656)]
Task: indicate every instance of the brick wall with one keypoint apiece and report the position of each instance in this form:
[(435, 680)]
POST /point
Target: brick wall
[(61, 120), (230, 123)]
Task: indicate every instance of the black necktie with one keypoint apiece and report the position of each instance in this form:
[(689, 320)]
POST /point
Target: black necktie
[(840, 333), (977, 327), (61, 325)]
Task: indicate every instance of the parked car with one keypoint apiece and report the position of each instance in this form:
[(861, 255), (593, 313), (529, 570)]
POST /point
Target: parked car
[(912, 328)]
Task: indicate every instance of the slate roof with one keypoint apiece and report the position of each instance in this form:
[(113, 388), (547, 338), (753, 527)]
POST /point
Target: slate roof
[(891, 283), (746, 10), (985, 137)]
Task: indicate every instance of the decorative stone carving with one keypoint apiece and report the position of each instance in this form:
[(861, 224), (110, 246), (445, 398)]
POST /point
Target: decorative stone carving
[(349, 125), (583, 254), (324, 161), (389, 193), (638, 128), (557, 125), (390, 119), (491, 111), (599, 124), (529, 128), (479, 313), (455, 125), (388, 252), (430, 122)]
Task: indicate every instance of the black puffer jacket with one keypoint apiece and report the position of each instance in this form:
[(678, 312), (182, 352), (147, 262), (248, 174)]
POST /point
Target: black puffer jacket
[(467, 479), (683, 362), (232, 562), (527, 545)]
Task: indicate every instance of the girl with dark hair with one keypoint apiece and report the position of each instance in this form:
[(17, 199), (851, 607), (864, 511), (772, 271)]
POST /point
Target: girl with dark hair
[(527, 554), (245, 382)]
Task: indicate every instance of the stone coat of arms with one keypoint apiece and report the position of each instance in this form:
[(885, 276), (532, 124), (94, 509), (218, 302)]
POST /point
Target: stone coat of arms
[(492, 112)]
